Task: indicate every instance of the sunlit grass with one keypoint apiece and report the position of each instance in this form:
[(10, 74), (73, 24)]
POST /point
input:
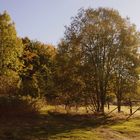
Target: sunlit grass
[(77, 135), (133, 125), (54, 126), (45, 109)]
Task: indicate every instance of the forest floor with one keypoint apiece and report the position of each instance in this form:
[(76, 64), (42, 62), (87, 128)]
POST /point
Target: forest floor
[(50, 125)]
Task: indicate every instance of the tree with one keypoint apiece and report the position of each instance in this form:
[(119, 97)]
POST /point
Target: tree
[(38, 61), (99, 35), (10, 45), (68, 81), (10, 50), (126, 76)]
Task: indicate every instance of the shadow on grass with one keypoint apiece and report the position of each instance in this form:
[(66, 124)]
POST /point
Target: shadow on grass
[(49, 125)]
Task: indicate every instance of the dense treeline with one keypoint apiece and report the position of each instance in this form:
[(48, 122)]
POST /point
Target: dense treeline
[(96, 62)]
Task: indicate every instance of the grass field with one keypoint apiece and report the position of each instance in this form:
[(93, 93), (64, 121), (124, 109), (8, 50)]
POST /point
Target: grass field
[(62, 126)]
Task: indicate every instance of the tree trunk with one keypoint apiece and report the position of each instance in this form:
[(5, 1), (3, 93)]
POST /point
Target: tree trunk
[(130, 104), (98, 106), (67, 108), (102, 108), (102, 104), (108, 105), (86, 107), (76, 108), (102, 98), (119, 104)]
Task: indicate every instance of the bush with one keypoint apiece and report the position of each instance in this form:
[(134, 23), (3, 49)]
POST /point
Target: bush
[(19, 106), (8, 85)]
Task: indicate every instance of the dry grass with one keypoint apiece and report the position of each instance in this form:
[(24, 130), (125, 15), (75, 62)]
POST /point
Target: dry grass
[(50, 125)]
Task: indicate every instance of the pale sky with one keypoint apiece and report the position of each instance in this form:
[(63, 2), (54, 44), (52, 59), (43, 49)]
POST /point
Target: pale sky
[(44, 20)]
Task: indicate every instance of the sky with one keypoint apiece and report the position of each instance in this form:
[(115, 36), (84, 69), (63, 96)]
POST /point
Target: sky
[(44, 20)]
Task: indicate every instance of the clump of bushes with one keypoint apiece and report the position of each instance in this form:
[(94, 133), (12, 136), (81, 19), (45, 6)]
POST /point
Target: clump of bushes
[(19, 106)]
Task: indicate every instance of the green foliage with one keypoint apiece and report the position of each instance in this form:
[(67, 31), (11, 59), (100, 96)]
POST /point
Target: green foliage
[(10, 53), (10, 46), (38, 68), (9, 85), (104, 45), (68, 79), (95, 61)]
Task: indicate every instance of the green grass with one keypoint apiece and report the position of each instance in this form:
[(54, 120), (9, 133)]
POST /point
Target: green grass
[(47, 127), (78, 135), (133, 125), (61, 126)]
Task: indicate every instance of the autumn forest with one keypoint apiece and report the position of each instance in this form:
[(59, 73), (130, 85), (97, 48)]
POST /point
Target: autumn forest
[(93, 71)]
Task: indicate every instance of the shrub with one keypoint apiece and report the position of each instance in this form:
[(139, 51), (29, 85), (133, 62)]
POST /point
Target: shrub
[(19, 106)]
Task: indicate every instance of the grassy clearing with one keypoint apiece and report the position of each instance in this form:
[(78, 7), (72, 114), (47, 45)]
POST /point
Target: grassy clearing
[(132, 125), (78, 135), (128, 129), (61, 126), (47, 127)]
